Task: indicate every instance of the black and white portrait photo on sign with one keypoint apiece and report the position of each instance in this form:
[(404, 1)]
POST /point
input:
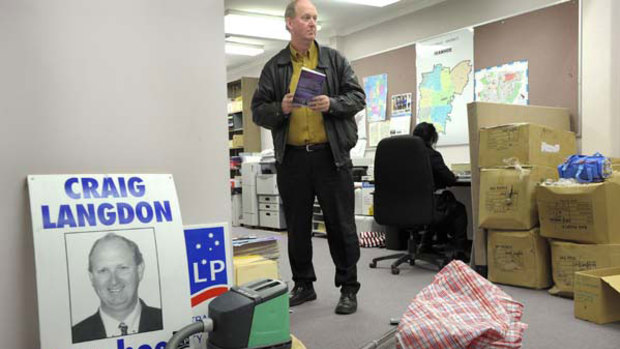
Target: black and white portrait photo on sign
[(114, 283)]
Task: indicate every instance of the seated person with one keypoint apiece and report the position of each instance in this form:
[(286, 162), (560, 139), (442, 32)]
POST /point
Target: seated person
[(453, 217)]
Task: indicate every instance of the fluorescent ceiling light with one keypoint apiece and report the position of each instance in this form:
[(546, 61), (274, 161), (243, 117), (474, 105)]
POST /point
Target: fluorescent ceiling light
[(235, 48), (256, 25), (244, 40), (375, 3)]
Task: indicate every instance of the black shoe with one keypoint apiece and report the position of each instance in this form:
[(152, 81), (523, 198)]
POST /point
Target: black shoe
[(301, 293), (347, 304)]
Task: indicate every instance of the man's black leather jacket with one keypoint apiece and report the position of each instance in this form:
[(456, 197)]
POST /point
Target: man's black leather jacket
[(346, 98)]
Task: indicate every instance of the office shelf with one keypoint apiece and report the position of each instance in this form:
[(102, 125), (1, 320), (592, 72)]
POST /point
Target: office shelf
[(240, 125)]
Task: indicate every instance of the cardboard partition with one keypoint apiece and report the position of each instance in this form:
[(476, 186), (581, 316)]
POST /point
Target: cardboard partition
[(568, 258), (507, 196), (250, 268), (588, 213), (483, 114), (525, 144), (597, 295), (519, 258)]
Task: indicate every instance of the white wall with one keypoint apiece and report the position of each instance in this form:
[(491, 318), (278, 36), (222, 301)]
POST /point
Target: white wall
[(444, 17), (601, 80), (106, 87)]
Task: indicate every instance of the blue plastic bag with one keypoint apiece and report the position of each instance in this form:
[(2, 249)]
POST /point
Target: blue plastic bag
[(586, 168)]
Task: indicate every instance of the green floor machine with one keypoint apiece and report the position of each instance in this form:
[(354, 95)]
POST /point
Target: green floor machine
[(252, 316)]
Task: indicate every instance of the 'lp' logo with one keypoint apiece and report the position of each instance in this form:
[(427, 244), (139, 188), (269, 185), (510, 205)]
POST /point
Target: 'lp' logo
[(206, 260)]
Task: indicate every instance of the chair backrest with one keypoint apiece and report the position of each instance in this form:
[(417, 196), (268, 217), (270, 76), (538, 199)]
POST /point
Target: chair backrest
[(403, 182)]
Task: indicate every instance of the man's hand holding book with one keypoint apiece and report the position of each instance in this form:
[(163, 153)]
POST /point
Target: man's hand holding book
[(318, 103)]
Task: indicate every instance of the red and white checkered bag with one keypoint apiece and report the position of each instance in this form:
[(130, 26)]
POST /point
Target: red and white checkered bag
[(461, 310), (372, 239)]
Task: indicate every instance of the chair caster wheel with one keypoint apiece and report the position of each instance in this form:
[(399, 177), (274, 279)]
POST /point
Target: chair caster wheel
[(372, 265), (395, 271)]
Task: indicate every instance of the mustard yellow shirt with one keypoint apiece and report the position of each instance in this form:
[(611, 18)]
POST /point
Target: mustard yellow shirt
[(305, 126)]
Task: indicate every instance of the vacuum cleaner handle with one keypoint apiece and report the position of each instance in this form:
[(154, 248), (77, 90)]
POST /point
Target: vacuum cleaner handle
[(196, 327)]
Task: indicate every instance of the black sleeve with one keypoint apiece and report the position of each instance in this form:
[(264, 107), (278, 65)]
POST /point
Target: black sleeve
[(266, 109), (352, 97), (442, 175)]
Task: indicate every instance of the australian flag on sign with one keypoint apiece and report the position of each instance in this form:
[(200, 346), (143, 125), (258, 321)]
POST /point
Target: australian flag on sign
[(206, 261)]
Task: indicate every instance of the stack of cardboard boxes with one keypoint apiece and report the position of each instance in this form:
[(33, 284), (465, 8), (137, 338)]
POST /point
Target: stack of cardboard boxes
[(583, 222), (513, 160)]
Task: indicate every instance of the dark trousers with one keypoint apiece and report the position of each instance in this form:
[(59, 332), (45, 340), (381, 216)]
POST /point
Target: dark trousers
[(301, 176), (453, 220)]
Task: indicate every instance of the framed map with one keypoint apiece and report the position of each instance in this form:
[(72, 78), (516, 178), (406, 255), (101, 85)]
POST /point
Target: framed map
[(506, 83), (444, 68), (375, 88)]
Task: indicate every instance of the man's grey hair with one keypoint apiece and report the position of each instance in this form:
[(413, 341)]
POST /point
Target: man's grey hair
[(289, 12), (137, 255)]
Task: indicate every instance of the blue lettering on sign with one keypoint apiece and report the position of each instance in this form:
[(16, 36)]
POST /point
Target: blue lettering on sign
[(89, 188), (206, 259), (105, 213), (144, 211), (125, 213), (86, 214), (81, 215), (120, 344)]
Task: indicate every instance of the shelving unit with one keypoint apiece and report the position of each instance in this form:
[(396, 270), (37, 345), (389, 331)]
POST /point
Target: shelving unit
[(243, 134)]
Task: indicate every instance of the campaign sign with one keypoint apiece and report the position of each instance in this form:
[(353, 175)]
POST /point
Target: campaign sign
[(108, 249), (209, 261)]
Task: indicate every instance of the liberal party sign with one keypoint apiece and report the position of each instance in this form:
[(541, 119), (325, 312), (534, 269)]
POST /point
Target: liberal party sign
[(108, 251), (209, 261)]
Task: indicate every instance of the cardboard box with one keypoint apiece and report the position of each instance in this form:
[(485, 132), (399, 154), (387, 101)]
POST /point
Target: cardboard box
[(568, 258), (237, 141), (615, 163), (597, 295), (526, 143), (519, 258), (507, 196), (587, 213), (249, 268), (484, 114)]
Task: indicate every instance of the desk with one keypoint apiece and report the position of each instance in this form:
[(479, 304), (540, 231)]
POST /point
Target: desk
[(462, 191), (462, 182)]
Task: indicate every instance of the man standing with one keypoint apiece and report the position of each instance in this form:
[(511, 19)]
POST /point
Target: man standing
[(115, 268), (312, 145)]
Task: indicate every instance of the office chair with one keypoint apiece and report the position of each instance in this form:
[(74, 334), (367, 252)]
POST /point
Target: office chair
[(404, 196)]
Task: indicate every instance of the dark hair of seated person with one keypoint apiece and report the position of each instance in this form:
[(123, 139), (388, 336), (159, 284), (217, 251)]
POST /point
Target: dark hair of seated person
[(427, 132)]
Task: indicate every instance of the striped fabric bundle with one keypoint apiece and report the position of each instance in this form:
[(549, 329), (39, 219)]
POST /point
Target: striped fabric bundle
[(461, 310), (372, 239)]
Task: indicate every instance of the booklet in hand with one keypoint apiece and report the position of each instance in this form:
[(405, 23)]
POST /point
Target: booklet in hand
[(310, 85)]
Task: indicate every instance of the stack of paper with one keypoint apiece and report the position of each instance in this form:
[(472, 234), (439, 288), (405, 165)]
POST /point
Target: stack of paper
[(266, 247)]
